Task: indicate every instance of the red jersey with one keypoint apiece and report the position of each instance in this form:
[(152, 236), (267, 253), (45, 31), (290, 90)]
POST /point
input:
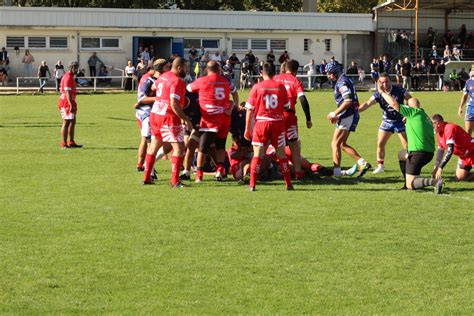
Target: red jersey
[(268, 98), (168, 86), (67, 84), (294, 87), (456, 135), (214, 91)]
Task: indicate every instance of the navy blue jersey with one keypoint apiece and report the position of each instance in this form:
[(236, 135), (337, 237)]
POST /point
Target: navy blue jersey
[(344, 90), (237, 123), (387, 65), (389, 113), (192, 109), (469, 90)]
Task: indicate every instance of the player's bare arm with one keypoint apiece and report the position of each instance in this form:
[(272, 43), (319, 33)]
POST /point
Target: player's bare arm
[(248, 120), (367, 105), (175, 106), (462, 103), (334, 116), (389, 99)]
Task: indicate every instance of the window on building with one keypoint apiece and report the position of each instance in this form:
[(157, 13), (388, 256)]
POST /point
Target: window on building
[(190, 42), (37, 42), (258, 44), (278, 44), (58, 42), (210, 43), (100, 43), (327, 45), (240, 44), (307, 44), (15, 41)]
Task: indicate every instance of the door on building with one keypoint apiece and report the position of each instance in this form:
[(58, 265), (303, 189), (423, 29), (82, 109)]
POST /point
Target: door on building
[(162, 46)]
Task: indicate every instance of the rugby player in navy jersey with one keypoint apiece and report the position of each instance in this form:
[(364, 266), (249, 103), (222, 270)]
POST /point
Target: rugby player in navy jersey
[(346, 118), (193, 111), (392, 121)]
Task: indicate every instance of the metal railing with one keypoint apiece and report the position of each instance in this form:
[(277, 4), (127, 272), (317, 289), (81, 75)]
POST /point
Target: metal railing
[(89, 83)]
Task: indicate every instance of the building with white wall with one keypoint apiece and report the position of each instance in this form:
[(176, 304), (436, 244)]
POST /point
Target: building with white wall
[(115, 34)]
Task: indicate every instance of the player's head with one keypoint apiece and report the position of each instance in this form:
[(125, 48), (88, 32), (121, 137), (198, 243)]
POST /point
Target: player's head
[(283, 67), (179, 67), (414, 103), (213, 67), (74, 67), (384, 81), (161, 65), (268, 71), (438, 122), (471, 74), (333, 70), (292, 66)]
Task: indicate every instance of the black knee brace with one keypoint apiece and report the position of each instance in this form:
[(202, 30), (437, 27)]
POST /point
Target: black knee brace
[(220, 143), (205, 141)]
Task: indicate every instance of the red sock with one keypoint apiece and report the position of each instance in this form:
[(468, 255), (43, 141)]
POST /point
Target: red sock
[(380, 162), (254, 171), (176, 163), (199, 174), (149, 164), (220, 168), (285, 170)]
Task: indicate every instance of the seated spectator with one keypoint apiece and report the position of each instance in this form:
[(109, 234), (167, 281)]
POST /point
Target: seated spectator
[(353, 69), (80, 78), (434, 53), (224, 57), (234, 60), (216, 57), (228, 70), (284, 57), (447, 53), (3, 74), (457, 53), (251, 59), (104, 74)]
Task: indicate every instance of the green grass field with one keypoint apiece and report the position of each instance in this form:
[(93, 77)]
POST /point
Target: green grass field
[(80, 235)]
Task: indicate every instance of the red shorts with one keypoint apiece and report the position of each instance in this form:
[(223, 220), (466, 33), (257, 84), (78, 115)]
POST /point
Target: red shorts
[(167, 128), (65, 113), (219, 124), (466, 163), (269, 132), (291, 126)]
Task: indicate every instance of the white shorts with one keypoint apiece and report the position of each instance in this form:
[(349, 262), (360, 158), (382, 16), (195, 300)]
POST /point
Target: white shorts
[(66, 115), (145, 128), (171, 134), (348, 123)]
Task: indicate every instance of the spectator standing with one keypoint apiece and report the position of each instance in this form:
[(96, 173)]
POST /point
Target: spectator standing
[(130, 73), (228, 70), (202, 52), (416, 76), (322, 70), (58, 74), (234, 60), (440, 70), (284, 57), (3, 74), (4, 58), (387, 65), (454, 80), (251, 59), (271, 57), (92, 62), (432, 73), (361, 73), (434, 52), (462, 35), (152, 54), (424, 71), (448, 38), (28, 61), (430, 37), (216, 57), (406, 74), (141, 69), (224, 57), (146, 55), (311, 71), (398, 71), (43, 75)]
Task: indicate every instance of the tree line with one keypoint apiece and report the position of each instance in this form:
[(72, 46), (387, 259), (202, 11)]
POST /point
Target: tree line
[(348, 6)]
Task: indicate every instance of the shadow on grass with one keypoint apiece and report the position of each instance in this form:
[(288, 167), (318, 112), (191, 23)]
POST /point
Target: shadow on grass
[(38, 124), (120, 119), (109, 148)]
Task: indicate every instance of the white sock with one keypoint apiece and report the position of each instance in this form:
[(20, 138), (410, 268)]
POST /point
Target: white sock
[(160, 154), (337, 171), (185, 172), (361, 162)]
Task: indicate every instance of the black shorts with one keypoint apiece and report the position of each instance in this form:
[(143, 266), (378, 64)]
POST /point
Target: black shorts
[(195, 119), (416, 161)]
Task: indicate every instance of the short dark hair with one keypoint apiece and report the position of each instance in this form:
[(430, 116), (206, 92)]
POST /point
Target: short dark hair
[(292, 65), (437, 118), (269, 69), (384, 75)]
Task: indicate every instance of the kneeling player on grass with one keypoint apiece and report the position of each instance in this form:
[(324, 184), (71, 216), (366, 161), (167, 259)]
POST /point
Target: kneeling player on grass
[(166, 120), (392, 120), (214, 92), (68, 107), (241, 152), (346, 118), (421, 143), (267, 101), (452, 139)]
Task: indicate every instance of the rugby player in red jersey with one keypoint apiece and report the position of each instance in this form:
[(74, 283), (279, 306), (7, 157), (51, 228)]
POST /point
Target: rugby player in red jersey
[(68, 107), (267, 102), (453, 139), (295, 91), (166, 120), (214, 92), (146, 98)]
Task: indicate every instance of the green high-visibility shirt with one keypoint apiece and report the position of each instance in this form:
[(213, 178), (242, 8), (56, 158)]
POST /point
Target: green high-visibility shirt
[(419, 129)]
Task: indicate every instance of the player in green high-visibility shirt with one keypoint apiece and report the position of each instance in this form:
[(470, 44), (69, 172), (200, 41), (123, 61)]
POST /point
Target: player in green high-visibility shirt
[(421, 143)]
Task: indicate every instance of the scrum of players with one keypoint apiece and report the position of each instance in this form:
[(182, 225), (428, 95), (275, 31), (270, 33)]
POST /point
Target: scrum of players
[(190, 123)]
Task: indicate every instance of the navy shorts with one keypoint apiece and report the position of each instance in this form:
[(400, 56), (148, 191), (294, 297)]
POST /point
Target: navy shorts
[(392, 126), (469, 117)]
